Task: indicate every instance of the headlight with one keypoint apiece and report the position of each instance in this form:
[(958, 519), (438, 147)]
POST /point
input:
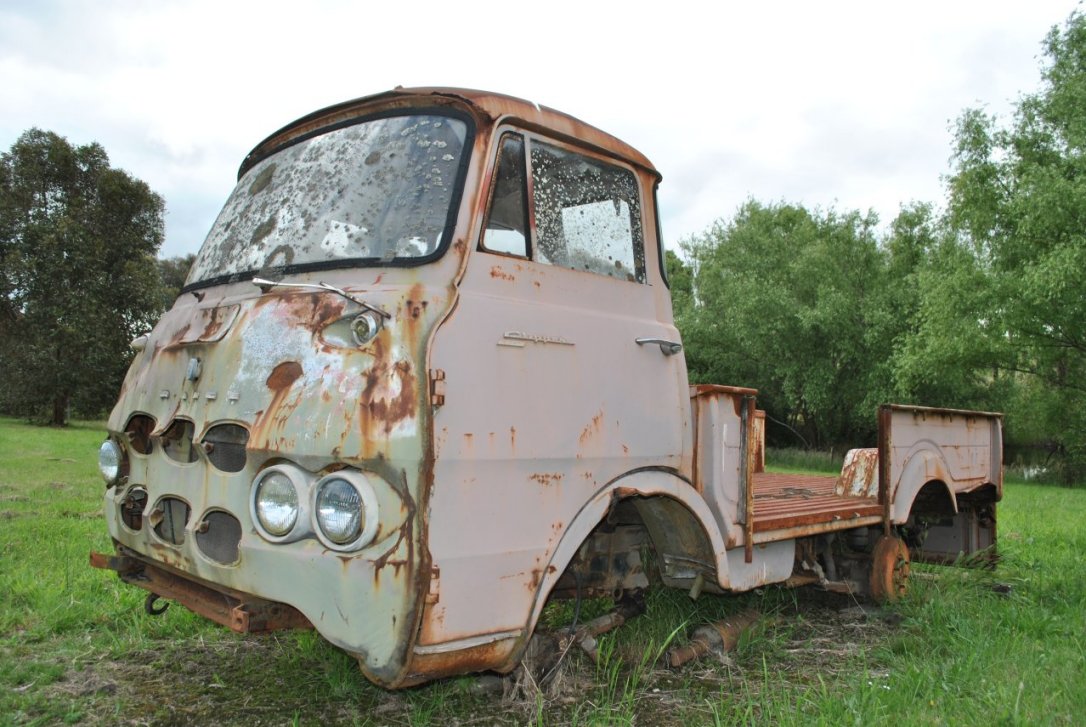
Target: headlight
[(340, 511), (110, 461), (276, 506), (345, 508)]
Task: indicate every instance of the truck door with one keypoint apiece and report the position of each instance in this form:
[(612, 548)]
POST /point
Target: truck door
[(548, 394)]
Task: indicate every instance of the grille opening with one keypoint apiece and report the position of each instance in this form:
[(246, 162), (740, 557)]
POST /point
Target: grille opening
[(139, 430), (170, 517), (177, 441), (132, 508), (225, 447), (219, 536)]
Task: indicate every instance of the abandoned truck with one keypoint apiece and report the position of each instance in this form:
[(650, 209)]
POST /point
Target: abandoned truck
[(424, 376)]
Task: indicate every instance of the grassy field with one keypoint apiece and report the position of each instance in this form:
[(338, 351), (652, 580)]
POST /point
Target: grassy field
[(965, 647)]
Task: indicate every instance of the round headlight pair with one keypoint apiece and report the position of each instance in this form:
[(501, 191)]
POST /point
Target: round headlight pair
[(343, 507), (111, 462)]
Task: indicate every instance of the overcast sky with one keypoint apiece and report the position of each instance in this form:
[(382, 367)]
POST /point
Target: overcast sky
[(843, 104)]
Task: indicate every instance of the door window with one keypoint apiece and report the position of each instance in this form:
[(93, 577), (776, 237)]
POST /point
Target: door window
[(507, 223), (586, 212)]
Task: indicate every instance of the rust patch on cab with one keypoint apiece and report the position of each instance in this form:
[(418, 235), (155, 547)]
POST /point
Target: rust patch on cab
[(546, 478), (591, 428), (284, 375), (389, 394)]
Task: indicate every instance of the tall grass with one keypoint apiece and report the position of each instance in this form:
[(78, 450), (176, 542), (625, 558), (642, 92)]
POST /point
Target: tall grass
[(803, 460), (964, 647)]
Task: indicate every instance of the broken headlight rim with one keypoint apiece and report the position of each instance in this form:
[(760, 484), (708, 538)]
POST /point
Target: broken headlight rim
[(365, 327), (112, 462), (345, 511), (268, 496)]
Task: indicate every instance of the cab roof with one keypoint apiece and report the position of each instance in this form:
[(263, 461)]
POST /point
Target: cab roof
[(489, 108)]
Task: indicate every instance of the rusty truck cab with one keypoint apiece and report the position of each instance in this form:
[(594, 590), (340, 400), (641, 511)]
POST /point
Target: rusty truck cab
[(426, 342)]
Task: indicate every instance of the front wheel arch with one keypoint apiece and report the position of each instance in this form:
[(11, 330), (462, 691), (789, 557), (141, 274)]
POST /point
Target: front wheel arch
[(657, 487)]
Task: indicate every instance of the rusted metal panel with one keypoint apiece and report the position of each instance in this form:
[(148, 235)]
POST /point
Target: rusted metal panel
[(772, 563), (884, 456), (284, 372), (917, 445), (120, 563), (944, 412), (859, 474), (494, 655), (818, 527), (733, 391), (718, 638), (492, 109), (205, 325), (747, 484), (787, 502), (237, 612), (719, 460), (759, 440)]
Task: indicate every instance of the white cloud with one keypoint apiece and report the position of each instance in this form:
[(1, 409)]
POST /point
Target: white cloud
[(846, 103)]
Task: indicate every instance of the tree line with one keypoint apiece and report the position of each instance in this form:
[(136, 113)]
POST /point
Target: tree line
[(980, 305)]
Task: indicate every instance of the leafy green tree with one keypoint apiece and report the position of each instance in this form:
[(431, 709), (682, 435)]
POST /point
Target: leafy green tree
[(77, 275), (786, 300), (172, 272), (1018, 206)]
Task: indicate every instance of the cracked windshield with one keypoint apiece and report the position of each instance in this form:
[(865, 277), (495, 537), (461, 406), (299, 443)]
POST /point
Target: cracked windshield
[(378, 191)]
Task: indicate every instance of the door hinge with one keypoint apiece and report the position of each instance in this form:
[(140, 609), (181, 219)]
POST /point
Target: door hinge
[(434, 592), (437, 387)]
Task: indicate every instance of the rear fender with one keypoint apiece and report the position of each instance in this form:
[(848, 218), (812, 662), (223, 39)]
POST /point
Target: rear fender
[(921, 468), (956, 529)]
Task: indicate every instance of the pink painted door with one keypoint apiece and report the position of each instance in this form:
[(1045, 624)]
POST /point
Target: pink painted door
[(549, 396)]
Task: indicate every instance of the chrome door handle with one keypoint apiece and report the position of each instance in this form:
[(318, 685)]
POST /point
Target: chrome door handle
[(668, 348)]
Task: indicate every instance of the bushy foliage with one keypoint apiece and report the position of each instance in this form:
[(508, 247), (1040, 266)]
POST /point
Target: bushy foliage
[(983, 307), (1018, 206), (172, 272), (77, 275), (807, 307)]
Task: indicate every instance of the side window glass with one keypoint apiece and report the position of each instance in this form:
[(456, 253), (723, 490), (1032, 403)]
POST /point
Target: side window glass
[(507, 224), (587, 214)]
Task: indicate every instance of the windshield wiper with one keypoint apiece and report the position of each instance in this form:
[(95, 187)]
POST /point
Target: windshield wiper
[(266, 285)]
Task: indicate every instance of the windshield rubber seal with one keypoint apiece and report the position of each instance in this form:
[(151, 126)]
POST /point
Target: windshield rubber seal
[(369, 262)]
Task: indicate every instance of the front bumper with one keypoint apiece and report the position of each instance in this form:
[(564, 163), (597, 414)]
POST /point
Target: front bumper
[(237, 611)]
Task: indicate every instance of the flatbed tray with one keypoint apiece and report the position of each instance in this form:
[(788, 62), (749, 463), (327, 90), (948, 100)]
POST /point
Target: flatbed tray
[(787, 500)]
